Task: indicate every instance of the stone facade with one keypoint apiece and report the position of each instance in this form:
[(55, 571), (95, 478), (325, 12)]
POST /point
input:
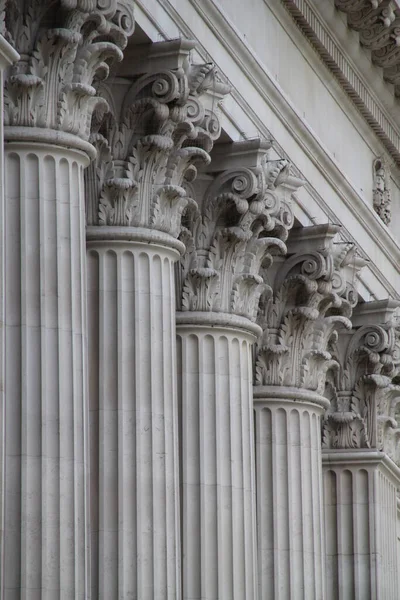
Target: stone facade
[(200, 300)]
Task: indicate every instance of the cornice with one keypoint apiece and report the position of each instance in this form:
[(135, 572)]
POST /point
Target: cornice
[(51, 85), (274, 96), (310, 299), (345, 72), (158, 130), (100, 235)]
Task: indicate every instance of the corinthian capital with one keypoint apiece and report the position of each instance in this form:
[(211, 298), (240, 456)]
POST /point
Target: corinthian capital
[(51, 85), (362, 393), (311, 295), (241, 219), (162, 123)]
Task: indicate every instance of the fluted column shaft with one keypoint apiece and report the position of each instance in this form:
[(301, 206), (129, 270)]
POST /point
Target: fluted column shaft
[(7, 56), (133, 423), (360, 496), (46, 533), (398, 538), (217, 456), (289, 493)]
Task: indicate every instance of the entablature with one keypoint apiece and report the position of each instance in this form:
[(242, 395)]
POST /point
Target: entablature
[(264, 110)]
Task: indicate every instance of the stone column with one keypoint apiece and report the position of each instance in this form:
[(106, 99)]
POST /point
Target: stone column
[(299, 318), (134, 216), (241, 219), (131, 304), (398, 536), (218, 530), (7, 56), (49, 101), (289, 497), (361, 455)]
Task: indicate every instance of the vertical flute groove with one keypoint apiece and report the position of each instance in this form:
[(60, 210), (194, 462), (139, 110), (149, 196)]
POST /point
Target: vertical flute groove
[(361, 532), (130, 296), (217, 486), (289, 499), (46, 550)]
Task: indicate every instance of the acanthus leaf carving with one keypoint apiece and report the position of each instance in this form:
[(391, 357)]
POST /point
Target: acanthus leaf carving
[(201, 290), (363, 397), (158, 135), (300, 319)]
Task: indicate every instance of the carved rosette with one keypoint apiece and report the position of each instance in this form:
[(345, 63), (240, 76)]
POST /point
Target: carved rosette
[(378, 23), (311, 297), (51, 86), (242, 221), (363, 395), (145, 155)]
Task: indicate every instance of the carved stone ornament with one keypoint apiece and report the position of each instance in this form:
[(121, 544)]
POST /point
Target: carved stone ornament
[(51, 85), (310, 298), (151, 141), (381, 191), (243, 219), (378, 23), (362, 389)]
